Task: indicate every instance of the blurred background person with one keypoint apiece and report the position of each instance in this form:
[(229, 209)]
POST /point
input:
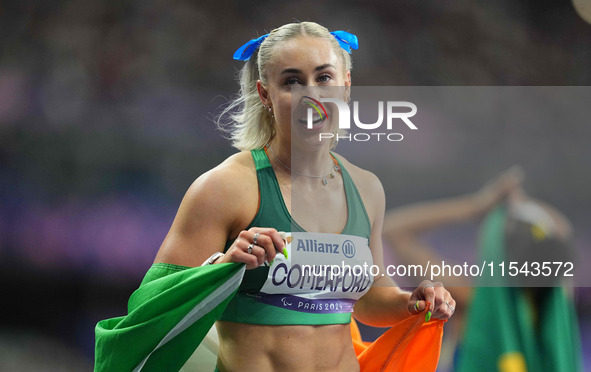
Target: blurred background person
[(525, 323)]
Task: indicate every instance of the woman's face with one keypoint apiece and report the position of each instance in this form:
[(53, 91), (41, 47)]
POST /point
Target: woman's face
[(309, 63)]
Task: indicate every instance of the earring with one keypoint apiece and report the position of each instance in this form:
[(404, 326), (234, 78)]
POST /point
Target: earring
[(269, 110)]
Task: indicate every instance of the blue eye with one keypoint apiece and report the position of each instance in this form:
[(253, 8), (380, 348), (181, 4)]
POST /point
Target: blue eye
[(324, 78), (292, 81)]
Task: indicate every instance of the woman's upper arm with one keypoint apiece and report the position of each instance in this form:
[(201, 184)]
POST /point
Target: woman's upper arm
[(377, 209), (212, 209)]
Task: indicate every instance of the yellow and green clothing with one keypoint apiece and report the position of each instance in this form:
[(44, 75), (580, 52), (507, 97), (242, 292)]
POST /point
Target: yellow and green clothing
[(506, 332)]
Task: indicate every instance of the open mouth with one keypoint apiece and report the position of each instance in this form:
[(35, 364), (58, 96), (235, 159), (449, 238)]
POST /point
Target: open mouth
[(316, 119), (312, 112)]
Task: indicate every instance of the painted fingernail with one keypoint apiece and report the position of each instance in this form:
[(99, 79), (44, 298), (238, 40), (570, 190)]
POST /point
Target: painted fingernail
[(285, 252), (417, 306), (271, 263), (428, 316)]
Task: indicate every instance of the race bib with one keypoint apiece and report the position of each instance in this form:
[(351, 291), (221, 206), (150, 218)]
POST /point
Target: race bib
[(323, 273)]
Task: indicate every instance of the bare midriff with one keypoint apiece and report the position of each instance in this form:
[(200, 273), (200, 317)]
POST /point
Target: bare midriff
[(286, 348)]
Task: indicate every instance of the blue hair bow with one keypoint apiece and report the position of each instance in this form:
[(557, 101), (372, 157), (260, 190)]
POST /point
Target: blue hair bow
[(346, 41)]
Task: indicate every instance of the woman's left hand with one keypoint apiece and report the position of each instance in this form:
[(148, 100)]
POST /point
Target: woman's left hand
[(442, 303)]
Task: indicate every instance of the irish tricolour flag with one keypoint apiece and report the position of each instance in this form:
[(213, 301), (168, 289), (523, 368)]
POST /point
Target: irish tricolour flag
[(168, 317)]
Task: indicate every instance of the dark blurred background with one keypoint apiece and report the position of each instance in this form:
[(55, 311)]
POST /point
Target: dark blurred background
[(106, 114)]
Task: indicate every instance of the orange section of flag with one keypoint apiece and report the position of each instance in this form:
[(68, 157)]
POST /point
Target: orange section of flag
[(411, 345)]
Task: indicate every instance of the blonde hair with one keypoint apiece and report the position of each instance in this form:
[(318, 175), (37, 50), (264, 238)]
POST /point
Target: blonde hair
[(250, 125)]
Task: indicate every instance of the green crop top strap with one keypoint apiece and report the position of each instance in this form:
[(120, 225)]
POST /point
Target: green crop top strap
[(301, 289)]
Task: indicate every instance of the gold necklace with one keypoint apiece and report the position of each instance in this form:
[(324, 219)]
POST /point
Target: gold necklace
[(324, 178)]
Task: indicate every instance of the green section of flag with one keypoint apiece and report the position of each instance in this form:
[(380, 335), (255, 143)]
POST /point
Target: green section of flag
[(501, 322), (168, 317)]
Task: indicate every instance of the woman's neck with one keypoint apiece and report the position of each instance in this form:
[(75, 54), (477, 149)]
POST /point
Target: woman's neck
[(313, 163)]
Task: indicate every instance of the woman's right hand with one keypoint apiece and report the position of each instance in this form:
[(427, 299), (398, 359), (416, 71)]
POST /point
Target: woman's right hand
[(268, 243)]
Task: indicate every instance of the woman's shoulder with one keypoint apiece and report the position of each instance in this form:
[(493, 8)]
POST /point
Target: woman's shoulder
[(369, 186), (230, 180), (234, 167), (217, 205), (241, 162), (363, 178)]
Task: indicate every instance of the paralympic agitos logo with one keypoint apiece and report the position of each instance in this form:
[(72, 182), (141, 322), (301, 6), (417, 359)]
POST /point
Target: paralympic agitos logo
[(391, 113)]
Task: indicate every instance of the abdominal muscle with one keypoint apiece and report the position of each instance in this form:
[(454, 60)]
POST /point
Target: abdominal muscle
[(268, 348)]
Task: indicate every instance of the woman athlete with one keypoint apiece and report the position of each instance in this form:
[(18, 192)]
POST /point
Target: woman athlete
[(234, 212)]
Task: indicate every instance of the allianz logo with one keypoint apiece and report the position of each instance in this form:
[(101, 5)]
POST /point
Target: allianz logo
[(313, 245)]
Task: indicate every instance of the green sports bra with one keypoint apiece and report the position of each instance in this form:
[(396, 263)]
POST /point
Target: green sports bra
[(304, 288)]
